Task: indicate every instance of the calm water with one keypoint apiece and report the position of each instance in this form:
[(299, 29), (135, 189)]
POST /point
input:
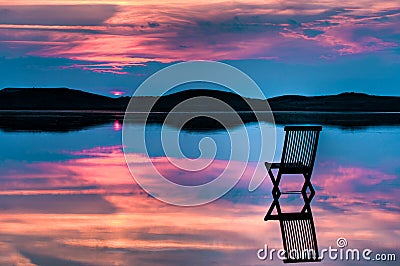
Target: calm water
[(69, 199)]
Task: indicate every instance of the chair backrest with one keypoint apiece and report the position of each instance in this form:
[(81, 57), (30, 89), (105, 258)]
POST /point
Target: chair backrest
[(299, 237), (300, 147)]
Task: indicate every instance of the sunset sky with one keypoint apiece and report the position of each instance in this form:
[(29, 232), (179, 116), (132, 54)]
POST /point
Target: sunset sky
[(288, 47)]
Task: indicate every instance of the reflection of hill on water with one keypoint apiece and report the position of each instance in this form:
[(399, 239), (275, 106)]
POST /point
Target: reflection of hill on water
[(339, 119), (73, 121), (55, 121)]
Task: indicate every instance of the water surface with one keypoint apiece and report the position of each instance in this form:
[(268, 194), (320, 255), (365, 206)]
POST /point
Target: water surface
[(67, 198)]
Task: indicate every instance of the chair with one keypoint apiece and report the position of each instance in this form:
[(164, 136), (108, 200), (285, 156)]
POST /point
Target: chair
[(297, 229)]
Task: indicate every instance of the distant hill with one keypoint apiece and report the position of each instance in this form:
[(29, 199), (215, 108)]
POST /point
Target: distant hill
[(57, 99), (167, 102), (68, 99), (344, 102)]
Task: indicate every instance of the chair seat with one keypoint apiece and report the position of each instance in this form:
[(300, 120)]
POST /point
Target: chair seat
[(272, 165), (301, 260), (287, 216), (288, 168)]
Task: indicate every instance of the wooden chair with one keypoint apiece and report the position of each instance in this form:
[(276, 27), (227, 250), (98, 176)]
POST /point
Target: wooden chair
[(297, 229)]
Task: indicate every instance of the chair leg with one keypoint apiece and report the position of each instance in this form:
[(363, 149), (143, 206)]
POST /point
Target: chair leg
[(276, 193), (307, 199), (270, 210)]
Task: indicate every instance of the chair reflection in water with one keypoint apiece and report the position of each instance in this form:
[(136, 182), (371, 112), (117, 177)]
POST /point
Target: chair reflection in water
[(297, 228)]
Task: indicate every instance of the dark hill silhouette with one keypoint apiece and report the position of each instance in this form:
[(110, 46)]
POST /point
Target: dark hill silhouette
[(57, 99), (344, 102), (238, 103), (68, 99)]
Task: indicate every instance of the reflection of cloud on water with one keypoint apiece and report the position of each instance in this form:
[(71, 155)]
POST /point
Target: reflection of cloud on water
[(119, 223), (345, 187)]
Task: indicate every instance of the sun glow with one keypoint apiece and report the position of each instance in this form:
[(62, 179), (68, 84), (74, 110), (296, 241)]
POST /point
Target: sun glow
[(118, 93)]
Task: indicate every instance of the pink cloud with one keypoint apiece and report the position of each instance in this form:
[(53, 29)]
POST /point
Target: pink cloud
[(136, 34)]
